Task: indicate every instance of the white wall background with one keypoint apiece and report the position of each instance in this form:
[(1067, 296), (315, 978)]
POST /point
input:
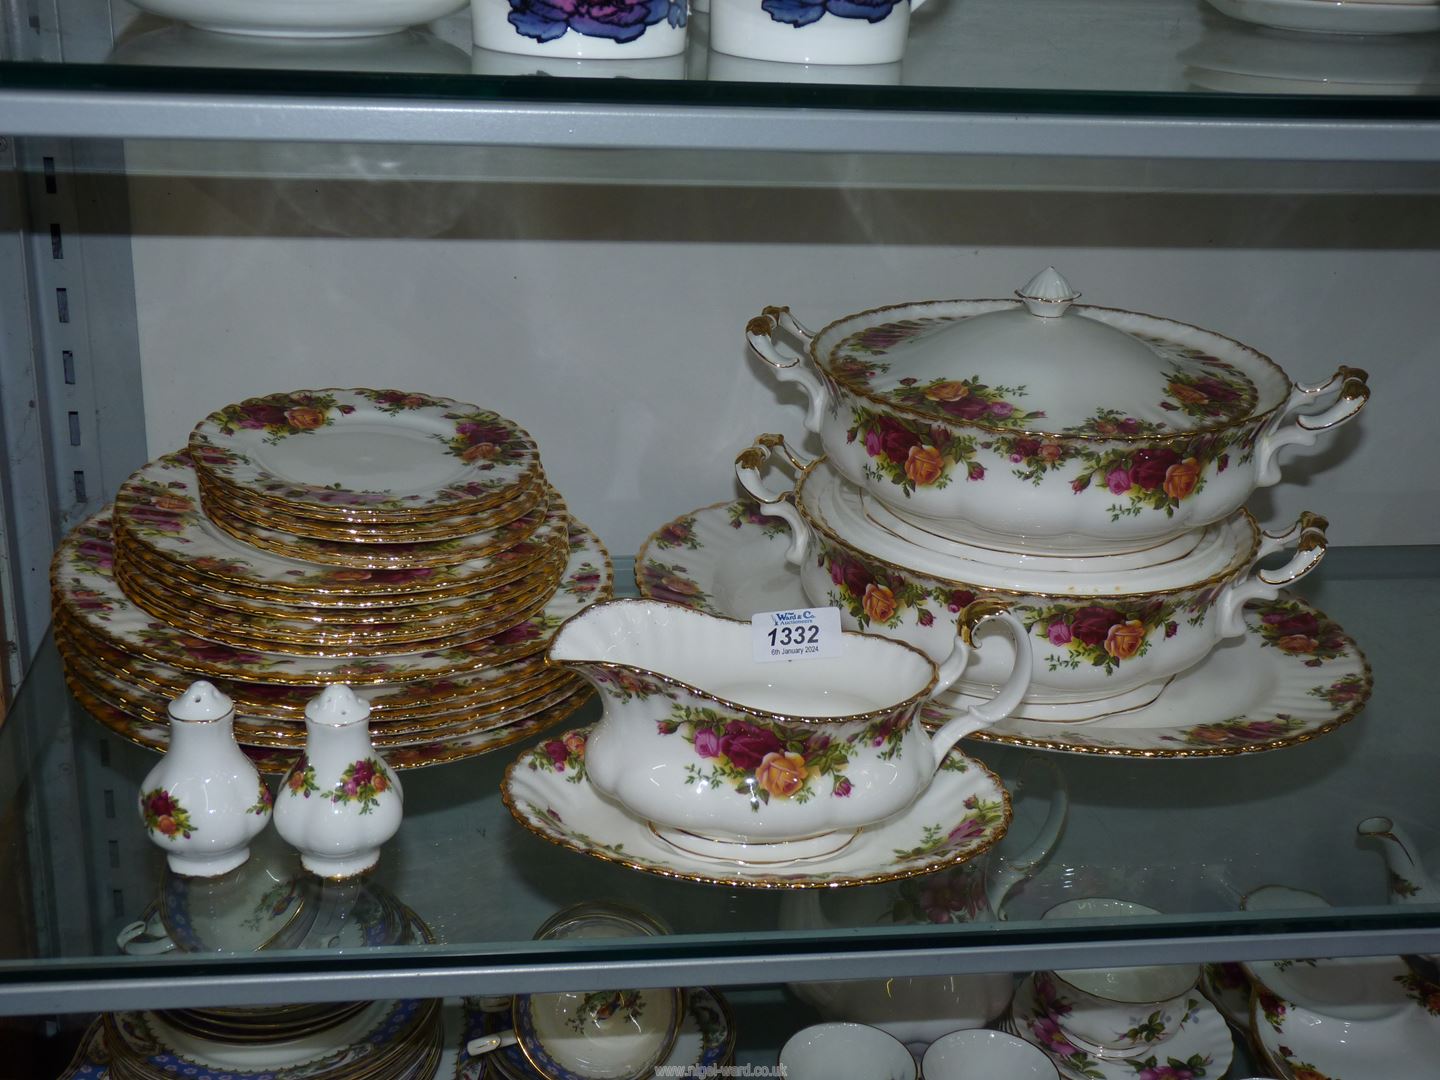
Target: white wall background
[(607, 319)]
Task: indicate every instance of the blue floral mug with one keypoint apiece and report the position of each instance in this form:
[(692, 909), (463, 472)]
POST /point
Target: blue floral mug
[(812, 31), (582, 29)]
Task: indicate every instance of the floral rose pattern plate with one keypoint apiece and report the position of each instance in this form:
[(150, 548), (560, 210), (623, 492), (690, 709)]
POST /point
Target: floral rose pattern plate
[(1294, 675), (158, 510), (366, 454), (84, 587), (1199, 1048), (1305, 1045), (963, 813)]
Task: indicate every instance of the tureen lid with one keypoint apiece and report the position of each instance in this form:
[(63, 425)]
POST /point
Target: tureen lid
[(1044, 364)]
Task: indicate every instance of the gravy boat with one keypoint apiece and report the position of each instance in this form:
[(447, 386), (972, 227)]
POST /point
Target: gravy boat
[(738, 760)]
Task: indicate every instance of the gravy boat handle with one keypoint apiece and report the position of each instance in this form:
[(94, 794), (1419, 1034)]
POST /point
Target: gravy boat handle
[(1017, 685)]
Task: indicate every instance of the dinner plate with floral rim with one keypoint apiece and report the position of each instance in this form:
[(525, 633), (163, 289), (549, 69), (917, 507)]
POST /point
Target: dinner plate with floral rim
[(83, 584), (274, 760), (1305, 1045), (286, 702), (706, 1039), (1335, 16), (158, 509), (440, 727), (1200, 1048), (397, 555), (335, 635), (1294, 675), (962, 813), (235, 503), (366, 455), (397, 608)]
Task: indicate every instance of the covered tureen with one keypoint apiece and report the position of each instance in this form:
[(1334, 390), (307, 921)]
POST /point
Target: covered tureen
[(1045, 425)]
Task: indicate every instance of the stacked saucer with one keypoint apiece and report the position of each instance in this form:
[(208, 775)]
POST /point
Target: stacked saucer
[(382, 1040), (406, 545)]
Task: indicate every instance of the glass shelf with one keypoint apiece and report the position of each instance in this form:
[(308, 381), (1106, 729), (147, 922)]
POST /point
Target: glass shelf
[(1188, 837), (1170, 78)]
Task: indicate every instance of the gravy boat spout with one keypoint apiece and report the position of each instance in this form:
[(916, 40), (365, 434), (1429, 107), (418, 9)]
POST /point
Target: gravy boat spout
[(735, 759)]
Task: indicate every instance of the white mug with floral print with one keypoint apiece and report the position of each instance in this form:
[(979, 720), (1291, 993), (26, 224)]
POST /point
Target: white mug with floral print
[(734, 759), (340, 801), (204, 802), (850, 32)]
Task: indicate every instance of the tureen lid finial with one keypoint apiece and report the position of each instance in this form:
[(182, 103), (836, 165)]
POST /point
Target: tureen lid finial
[(201, 701), (1047, 294), (337, 706)]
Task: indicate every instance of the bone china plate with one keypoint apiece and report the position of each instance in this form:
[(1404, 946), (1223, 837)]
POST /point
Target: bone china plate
[(365, 455), (1294, 675), (963, 813)]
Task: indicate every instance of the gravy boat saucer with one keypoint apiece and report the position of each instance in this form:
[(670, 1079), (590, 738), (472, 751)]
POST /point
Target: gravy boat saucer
[(961, 814), (1293, 676)]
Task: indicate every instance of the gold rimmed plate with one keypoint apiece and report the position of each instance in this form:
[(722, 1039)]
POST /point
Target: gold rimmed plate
[(83, 584), (366, 455), (331, 633), (286, 702), (239, 505)]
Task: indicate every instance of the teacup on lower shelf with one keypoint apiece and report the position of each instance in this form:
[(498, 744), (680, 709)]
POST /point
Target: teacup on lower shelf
[(730, 758), (979, 1054), (1116, 1010), (828, 1051)]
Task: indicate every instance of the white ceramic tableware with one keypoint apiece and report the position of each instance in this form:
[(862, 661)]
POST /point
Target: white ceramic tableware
[(303, 18), (1107, 1010), (985, 1055), (340, 801), (1409, 883), (961, 814), (725, 755), (1202, 1046), (851, 32), (1041, 425), (1293, 676), (1097, 634), (204, 802), (582, 29), (1304, 1044), (828, 1051), (1335, 16)]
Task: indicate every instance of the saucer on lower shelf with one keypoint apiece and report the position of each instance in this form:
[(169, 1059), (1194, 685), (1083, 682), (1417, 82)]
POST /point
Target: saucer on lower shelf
[(963, 813), (706, 1040), (1335, 16), (1300, 1042), (1293, 676), (1228, 988), (1201, 1046)]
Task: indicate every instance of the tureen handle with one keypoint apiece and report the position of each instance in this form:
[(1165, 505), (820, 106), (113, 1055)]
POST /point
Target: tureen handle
[(789, 365), (748, 464), (1011, 694), (1352, 387), (1308, 538)]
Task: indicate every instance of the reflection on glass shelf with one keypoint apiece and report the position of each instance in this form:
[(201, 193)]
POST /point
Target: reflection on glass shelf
[(1187, 838), (1153, 55), (1238, 58), (184, 46)]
